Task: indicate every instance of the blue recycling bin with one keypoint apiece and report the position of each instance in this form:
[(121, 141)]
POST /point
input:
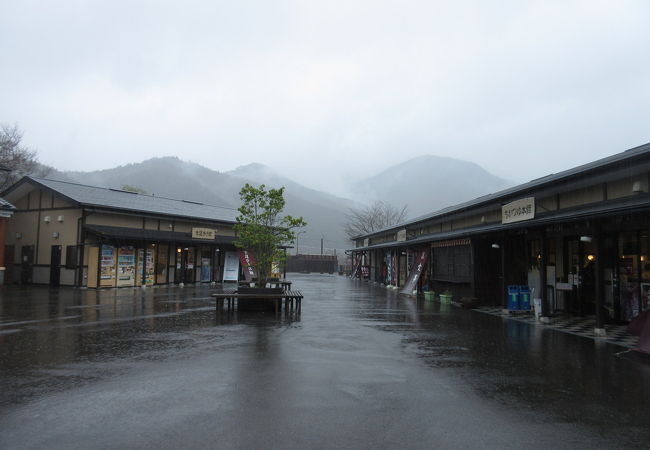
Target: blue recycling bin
[(524, 298), (513, 297)]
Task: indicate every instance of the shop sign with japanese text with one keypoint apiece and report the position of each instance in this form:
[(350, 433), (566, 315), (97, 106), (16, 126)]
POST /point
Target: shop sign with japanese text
[(204, 233), (519, 210), (401, 235)]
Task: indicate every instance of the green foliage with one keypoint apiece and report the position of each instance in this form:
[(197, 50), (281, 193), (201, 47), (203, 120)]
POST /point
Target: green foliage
[(261, 229), (137, 190)]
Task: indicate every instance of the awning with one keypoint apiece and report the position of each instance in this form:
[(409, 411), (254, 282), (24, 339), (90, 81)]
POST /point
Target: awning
[(138, 234)]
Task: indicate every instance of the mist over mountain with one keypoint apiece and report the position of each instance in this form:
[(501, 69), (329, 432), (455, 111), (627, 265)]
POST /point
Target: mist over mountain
[(174, 178), (428, 183), (425, 184)]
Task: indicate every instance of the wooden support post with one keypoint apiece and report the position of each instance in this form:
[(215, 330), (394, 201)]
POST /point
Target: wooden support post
[(598, 281), (543, 274)]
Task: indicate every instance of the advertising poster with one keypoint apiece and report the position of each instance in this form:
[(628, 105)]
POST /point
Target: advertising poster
[(149, 271), (231, 267), (107, 263), (126, 266), (205, 269)]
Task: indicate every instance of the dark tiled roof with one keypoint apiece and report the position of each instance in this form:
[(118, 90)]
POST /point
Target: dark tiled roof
[(129, 201), (626, 205), (627, 157)]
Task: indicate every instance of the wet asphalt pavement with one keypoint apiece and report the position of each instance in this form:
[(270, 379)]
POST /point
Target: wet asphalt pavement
[(360, 368)]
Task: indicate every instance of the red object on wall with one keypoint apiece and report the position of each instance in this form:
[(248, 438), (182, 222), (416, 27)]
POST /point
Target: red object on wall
[(247, 259)]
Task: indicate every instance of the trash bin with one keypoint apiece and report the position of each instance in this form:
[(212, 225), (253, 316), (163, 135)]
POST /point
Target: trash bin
[(537, 308), (513, 297), (524, 298)]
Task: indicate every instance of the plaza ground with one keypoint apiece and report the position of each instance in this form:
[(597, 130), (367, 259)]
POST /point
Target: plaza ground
[(361, 367)]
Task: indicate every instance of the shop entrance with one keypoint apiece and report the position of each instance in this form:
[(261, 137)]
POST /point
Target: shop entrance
[(580, 266), (185, 263)]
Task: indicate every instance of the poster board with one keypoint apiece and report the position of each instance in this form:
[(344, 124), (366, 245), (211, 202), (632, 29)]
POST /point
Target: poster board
[(231, 267), (107, 266)]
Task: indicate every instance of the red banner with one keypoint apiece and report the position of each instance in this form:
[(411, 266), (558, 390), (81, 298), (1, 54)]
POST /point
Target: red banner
[(247, 259)]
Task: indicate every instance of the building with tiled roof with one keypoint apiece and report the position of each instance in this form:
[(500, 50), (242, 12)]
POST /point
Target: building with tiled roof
[(578, 240), (65, 233)]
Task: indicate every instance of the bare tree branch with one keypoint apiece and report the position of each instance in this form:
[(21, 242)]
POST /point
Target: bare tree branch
[(372, 218), (16, 160)]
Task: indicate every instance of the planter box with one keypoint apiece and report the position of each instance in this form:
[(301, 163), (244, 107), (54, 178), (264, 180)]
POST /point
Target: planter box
[(251, 304), (446, 299)]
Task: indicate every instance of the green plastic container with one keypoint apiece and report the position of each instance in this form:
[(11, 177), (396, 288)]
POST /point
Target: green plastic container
[(429, 295), (445, 299)]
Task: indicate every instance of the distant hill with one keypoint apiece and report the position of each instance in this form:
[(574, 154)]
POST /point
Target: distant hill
[(425, 184), (174, 178), (428, 183)]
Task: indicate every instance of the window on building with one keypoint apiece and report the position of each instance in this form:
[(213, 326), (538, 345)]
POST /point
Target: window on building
[(452, 261)]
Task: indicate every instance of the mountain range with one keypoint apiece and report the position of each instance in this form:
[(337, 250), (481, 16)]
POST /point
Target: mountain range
[(428, 183), (424, 184)]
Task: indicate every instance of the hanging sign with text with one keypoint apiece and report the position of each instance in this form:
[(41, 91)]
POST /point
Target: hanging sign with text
[(518, 211), (203, 233)]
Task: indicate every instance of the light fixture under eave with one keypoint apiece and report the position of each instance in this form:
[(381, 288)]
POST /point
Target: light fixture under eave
[(495, 245), (590, 257), (586, 239)]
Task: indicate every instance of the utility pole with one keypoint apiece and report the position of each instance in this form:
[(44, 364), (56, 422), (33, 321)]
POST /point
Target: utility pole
[(321, 245)]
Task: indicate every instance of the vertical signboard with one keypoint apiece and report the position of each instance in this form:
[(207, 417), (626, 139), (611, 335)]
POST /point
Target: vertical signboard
[(356, 270), (231, 267), (247, 259), (416, 271)]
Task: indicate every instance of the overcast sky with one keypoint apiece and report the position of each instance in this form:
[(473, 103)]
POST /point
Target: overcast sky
[(326, 89)]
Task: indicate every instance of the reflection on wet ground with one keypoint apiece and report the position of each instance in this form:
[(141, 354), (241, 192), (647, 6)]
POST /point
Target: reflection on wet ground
[(360, 367)]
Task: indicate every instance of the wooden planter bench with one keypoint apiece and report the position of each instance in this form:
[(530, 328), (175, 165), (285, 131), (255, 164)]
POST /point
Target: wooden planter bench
[(260, 296)]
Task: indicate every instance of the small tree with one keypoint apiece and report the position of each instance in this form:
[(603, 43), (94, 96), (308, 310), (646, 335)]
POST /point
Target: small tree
[(372, 218), (16, 160), (260, 228)]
